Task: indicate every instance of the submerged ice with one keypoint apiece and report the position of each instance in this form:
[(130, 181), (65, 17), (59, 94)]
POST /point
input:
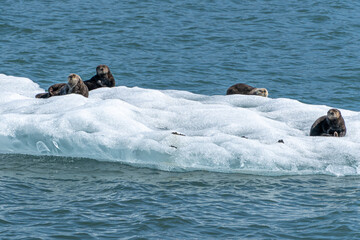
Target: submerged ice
[(134, 125)]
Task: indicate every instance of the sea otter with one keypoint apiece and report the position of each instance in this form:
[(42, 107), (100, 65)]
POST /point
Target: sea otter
[(332, 124), (54, 90), (245, 89), (103, 78), (74, 85)]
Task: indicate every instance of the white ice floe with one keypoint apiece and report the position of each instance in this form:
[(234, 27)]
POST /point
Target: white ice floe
[(135, 125)]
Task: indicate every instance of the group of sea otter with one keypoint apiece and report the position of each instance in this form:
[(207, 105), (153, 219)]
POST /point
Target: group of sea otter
[(332, 124), (103, 78)]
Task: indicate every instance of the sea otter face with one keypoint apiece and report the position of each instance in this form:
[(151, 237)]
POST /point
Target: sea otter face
[(261, 92), (73, 79), (333, 114), (102, 69)]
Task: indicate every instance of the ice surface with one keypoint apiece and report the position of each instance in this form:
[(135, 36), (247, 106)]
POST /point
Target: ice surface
[(135, 125)]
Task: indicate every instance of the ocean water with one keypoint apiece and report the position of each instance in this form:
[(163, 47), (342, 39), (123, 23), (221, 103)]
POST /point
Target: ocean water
[(110, 167)]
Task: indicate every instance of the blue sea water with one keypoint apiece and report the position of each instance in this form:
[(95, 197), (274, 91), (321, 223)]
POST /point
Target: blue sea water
[(209, 188)]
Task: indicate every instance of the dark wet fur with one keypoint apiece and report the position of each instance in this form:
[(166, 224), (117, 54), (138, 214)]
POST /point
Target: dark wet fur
[(239, 88), (42, 95), (325, 127), (79, 88), (98, 81), (63, 89), (54, 90)]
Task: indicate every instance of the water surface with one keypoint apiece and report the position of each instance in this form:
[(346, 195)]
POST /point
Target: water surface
[(303, 50), (65, 198)]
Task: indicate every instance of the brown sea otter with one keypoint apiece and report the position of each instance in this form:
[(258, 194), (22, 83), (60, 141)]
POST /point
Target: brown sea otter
[(245, 89), (103, 78), (332, 124), (74, 85)]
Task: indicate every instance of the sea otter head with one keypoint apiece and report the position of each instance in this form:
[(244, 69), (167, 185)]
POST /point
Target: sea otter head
[(73, 79), (102, 69), (333, 114), (261, 92)]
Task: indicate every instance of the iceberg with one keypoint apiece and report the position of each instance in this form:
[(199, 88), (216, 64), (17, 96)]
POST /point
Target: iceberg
[(136, 126)]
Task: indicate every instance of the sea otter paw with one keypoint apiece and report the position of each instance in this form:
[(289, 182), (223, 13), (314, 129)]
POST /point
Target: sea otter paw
[(336, 134), (99, 82)]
